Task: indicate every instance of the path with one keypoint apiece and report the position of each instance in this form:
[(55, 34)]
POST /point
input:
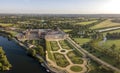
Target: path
[(92, 56), (67, 69)]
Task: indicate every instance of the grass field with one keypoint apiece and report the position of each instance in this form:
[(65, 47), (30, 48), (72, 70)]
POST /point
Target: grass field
[(67, 30), (5, 25), (109, 43), (81, 41), (87, 22), (104, 24), (76, 68)]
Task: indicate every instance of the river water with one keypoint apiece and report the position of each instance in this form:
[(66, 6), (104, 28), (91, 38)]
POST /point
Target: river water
[(18, 58)]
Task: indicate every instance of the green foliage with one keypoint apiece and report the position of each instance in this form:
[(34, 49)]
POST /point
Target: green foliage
[(86, 22), (61, 60), (74, 57), (40, 50), (48, 47), (105, 24), (32, 52), (97, 68), (76, 68), (54, 46), (4, 63)]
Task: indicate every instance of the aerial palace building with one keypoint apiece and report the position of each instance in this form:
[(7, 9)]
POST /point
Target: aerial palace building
[(47, 34)]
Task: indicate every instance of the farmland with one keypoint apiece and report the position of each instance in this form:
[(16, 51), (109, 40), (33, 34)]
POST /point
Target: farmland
[(108, 44), (86, 22), (81, 41), (105, 24), (5, 25)]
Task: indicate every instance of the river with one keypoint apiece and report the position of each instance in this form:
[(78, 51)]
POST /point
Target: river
[(18, 58)]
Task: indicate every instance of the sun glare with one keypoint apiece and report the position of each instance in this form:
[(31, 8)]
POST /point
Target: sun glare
[(112, 6)]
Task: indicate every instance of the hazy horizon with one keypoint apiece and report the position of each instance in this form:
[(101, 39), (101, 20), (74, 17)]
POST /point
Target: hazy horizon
[(60, 6)]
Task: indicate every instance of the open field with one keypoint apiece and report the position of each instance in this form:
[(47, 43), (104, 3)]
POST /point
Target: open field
[(81, 41), (103, 57), (87, 22), (5, 25), (104, 24), (67, 30), (109, 43)]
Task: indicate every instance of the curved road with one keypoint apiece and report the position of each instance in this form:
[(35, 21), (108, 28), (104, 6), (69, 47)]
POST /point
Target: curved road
[(92, 56)]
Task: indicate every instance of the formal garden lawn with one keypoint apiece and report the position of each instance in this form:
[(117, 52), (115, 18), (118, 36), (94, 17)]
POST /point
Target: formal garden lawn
[(104, 24), (86, 22), (81, 41), (76, 68), (65, 45), (50, 55), (74, 57), (61, 60), (54, 46)]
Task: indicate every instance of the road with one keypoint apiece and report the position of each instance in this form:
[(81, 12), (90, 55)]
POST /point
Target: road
[(108, 29), (92, 56)]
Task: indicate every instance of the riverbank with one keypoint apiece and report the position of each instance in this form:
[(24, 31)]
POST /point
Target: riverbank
[(4, 63), (21, 62), (37, 57)]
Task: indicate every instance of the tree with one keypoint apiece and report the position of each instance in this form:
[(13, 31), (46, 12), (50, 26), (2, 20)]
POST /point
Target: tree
[(32, 52)]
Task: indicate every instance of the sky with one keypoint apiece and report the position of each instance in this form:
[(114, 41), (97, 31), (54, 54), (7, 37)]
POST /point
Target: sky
[(60, 6)]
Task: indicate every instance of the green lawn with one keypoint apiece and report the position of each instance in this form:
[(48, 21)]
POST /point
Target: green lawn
[(109, 43), (113, 31), (65, 45), (13, 32), (109, 59), (54, 46), (76, 68), (81, 41), (104, 24), (61, 60), (74, 57), (67, 30), (5, 25), (86, 23)]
